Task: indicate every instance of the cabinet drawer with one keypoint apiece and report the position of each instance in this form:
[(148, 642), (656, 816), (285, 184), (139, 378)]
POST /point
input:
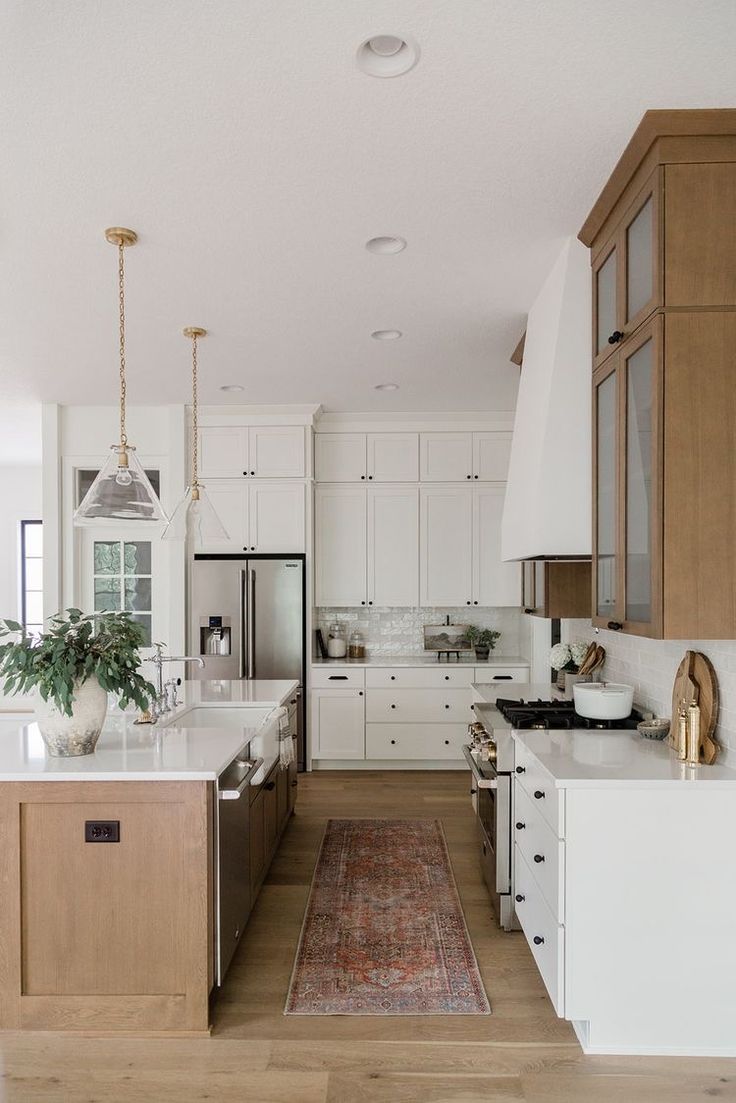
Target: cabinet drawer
[(545, 936), (490, 674), (542, 850), (411, 677), (426, 706), (415, 741), (337, 677), (540, 788)]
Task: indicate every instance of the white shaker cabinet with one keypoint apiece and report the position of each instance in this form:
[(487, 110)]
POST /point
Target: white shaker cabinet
[(393, 545), (392, 457), (491, 452), (258, 517), (265, 452), (445, 545), (338, 723), (340, 545), (339, 457), (445, 457), (495, 583)]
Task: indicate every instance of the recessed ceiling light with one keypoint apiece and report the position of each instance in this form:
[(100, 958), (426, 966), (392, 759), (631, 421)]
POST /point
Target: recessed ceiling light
[(387, 55), (232, 388), (386, 334), (386, 387), (385, 244)]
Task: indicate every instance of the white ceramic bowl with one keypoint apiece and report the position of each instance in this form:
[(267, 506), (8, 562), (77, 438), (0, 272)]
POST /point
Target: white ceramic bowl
[(603, 700)]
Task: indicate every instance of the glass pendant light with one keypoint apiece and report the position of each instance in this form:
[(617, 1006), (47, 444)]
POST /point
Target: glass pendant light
[(195, 519), (121, 491)]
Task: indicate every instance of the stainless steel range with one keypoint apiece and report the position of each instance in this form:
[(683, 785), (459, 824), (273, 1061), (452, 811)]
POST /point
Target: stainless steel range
[(490, 756)]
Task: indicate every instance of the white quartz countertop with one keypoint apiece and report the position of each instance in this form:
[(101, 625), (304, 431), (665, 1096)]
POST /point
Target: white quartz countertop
[(586, 759), (425, 659), (171, 750)]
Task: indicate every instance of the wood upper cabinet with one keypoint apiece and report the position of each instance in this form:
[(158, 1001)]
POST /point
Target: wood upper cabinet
[(627, 272), (366, 457), (627, 479), (556, 588), (664, 399), (264, 452)]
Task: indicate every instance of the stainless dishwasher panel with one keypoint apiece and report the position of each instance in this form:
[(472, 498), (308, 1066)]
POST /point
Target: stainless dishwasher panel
[(232, 869)]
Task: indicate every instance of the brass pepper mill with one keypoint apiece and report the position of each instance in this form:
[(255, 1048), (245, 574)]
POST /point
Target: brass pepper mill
[(693, 735), (681, 734)]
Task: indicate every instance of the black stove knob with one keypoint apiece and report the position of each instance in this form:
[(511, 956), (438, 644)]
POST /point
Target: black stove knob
[(521, 769), (538, 940), (520, 826), (538, 794), (519, 898), (538, 858)]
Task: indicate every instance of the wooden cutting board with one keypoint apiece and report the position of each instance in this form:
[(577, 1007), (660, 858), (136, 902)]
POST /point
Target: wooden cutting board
[(696, 681)]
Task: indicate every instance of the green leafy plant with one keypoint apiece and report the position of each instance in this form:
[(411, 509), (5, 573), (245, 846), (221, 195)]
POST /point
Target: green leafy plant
[(76, 647), (482, 638)]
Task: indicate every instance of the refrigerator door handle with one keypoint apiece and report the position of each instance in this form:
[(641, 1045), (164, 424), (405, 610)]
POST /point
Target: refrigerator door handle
[(242, 638), (251, 607)]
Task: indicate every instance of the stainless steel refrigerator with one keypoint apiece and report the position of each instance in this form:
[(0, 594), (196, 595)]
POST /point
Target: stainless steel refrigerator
[(247, 620)]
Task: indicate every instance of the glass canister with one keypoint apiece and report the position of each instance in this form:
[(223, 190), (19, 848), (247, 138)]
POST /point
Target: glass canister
[(356, 647), (336, 643)]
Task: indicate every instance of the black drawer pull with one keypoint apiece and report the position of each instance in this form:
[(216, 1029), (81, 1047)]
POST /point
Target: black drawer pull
[(519, 898), (336, 678), (520, 826), (521, 769), (615, 625), (539, 794), (538, 940), (538, 858), (503, 678)]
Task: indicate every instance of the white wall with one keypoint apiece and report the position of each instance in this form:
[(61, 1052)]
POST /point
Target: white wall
[(20, 500), (650, 666)]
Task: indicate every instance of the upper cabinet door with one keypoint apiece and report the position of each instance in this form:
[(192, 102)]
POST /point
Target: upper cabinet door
[(445, 457), (495, 583), (607, 322), (393, 457), (699, 216), (445, 546), (641, 382), (340, 545), (639, 244), (229, 497), (277, 452), (491, 452), (393, 545), (606, 420), (276, 512), (340, 457), (223, 452)]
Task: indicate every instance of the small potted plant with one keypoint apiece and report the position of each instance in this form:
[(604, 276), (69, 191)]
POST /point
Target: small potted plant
[(566, 658), (483, 641), (72, 667)]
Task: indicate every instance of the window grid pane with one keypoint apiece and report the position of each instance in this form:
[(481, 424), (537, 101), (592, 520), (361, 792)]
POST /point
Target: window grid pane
[(31, 570), (123, 581)]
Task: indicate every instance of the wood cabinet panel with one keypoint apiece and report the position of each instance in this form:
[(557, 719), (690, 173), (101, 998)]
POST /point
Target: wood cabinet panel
[(700, 215)]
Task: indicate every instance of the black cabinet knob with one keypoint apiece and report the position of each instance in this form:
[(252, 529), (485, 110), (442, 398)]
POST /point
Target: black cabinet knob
[(393, 706), (252, 472), (270, 785), (370, 602), (476, 476), (244, 548), (393, 740), (520, 826), (521, 769), (370, 476), (538, 858), (447, 742), (473, 792), (468, 603), (519, 898), (615, 625), (538, 794), (538, 940), (393, 677), (528, 610), (447, 706), (253, 548), (475, 603), (615, 337), (245, 472), (468, 476), (447, 677), (362, 603), (362, 476), (360, 693)]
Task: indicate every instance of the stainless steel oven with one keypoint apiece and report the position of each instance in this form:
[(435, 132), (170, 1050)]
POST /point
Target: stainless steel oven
[(491, 793)]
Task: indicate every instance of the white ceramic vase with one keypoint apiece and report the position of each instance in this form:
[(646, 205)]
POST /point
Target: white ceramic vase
[(67, 736)]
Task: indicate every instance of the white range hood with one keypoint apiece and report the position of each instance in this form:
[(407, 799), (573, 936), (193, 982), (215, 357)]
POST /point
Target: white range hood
[(547, 512)]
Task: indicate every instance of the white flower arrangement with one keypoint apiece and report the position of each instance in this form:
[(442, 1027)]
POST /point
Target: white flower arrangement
[(578, 652), (560, 656)]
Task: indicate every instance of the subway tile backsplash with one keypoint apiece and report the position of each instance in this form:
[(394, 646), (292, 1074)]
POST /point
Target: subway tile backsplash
[(399, 631), (650, 666)]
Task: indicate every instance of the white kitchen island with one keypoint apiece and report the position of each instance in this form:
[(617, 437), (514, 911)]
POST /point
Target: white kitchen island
[(113, 871), (623, 884)]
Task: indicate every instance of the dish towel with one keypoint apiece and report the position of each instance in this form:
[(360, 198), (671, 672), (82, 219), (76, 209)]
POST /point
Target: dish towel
[(286, 743)]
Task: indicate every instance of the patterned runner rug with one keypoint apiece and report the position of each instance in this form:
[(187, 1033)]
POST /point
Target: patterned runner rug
[(384, 932)]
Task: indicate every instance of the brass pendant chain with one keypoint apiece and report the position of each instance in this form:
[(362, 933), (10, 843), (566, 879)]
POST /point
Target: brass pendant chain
[(195, 432), (121, 299)]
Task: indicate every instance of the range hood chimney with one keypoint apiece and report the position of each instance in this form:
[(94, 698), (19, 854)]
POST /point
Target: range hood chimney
[(547, 511)]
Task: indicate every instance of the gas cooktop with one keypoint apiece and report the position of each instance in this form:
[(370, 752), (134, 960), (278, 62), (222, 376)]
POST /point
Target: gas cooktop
[(556, 714)]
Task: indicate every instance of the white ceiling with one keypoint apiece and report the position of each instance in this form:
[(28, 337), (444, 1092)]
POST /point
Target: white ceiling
[(254, 158)]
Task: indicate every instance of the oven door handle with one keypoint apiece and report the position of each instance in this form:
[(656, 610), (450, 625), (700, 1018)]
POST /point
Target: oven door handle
[(480, 781)]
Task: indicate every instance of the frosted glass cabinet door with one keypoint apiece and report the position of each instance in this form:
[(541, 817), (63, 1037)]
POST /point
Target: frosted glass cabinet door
[(445, 546), (639, 260), (606, 427), (605, 309)]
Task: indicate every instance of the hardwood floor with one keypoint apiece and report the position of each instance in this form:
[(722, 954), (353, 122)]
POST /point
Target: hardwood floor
[(521, 1052)]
